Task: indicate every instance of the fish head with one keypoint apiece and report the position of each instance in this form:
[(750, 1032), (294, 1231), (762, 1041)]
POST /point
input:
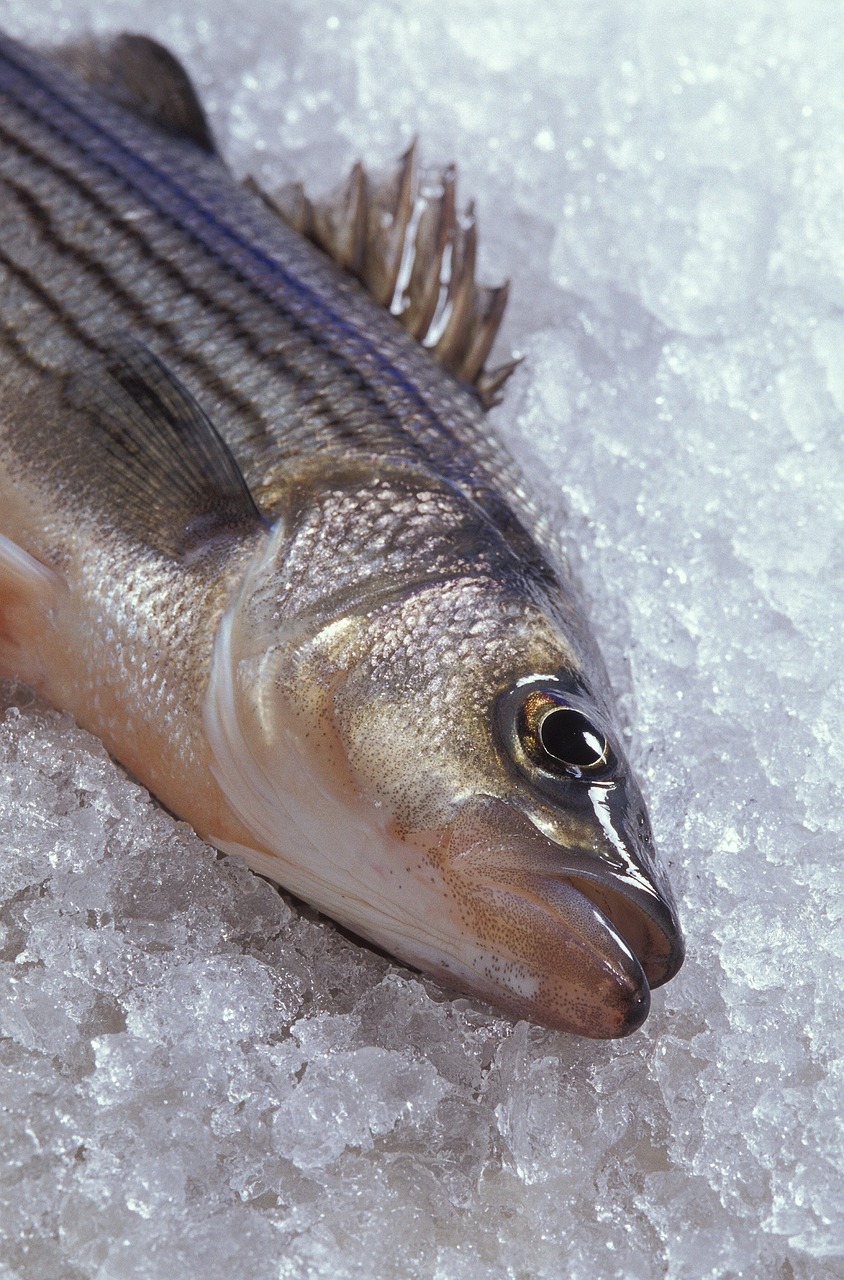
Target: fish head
[(440, 775), (510, 777)]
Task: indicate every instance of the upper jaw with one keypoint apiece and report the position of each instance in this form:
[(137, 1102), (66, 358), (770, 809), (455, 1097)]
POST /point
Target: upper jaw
[(646, 922), (608, 855), (593, 938)]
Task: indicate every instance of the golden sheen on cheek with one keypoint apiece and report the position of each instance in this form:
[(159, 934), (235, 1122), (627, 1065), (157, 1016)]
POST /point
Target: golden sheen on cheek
[(416, 713)]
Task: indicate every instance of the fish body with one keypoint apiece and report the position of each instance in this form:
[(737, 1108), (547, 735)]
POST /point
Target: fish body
[(261, 543)]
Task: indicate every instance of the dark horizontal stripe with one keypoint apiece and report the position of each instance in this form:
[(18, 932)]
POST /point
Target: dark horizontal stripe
[(199, 214), (181, 223), (210, 379), (311, 397), (11, 342), (50, 304), (76, 128)]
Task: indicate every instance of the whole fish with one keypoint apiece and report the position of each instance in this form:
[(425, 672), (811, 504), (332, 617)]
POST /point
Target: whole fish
[(256, 534)]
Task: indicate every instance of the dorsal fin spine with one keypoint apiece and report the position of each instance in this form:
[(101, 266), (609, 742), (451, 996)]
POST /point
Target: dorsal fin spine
[(405, 240)]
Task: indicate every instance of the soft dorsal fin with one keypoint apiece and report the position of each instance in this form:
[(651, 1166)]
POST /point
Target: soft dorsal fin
[(403, 237), (141, 75), (154, 456)]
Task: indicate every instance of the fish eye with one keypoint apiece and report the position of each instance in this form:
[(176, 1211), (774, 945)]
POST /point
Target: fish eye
[(571, 739), (548, 734)]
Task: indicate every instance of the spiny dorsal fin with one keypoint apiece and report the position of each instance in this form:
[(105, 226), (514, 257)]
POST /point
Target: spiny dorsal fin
[(169, 475), (403, 237), (141, 75)]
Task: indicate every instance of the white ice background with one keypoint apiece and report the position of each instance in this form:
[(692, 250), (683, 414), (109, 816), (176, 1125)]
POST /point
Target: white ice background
[(198, 1081)]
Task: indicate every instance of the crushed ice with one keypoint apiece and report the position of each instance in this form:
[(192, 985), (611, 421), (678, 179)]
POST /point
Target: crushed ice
[(197, 1079)]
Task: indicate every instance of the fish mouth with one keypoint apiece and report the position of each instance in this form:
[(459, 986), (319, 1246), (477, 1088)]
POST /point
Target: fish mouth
[(646, 922), (577, 946)]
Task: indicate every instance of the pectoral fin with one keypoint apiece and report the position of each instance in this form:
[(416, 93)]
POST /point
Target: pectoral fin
[(150, 458)]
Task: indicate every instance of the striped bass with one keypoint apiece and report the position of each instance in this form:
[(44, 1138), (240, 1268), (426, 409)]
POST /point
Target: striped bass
[(257, 535)]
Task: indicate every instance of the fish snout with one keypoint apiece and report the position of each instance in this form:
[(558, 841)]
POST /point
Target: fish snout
[(548, 954), (646, 921), (569, 942)]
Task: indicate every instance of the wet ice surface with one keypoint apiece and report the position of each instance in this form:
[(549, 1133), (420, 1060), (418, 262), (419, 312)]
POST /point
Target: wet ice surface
[(198, 1080)]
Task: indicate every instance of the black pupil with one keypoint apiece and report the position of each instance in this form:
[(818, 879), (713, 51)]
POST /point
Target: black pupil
[(570, 738)]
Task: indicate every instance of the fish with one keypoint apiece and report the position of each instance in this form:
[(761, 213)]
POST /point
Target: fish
[(259, 535)]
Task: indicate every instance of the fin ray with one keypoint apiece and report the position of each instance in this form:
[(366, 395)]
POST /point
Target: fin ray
[(174, 478), (403, 237)]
